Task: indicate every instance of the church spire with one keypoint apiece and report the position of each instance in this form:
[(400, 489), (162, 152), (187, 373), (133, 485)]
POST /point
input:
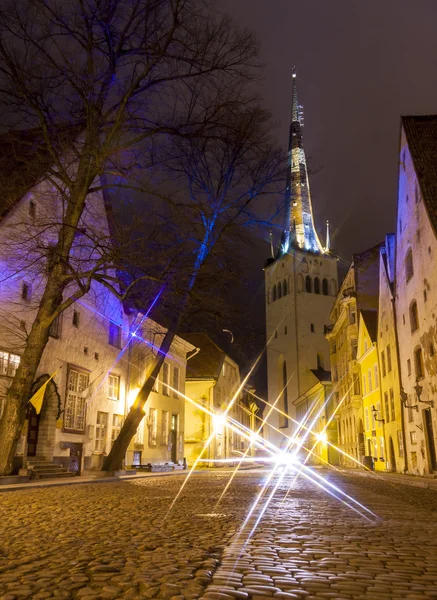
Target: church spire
[(299, 223)]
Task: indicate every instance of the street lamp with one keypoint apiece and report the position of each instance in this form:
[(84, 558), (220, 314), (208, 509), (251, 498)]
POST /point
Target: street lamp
[(374, 413), (419, 389), (404, 398)]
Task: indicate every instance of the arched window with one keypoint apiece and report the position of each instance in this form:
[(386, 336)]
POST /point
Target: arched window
[(279, 290), (316, 285), (325, 287), (414, 316), (274, 293), (333, 287), (409, 269), (284, 288), (418, 363), (308, 284)]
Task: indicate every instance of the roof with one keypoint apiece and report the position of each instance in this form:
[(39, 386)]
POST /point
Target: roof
[(421, 133), (321, 374), (25, 159), (370, 318), (207, 363)]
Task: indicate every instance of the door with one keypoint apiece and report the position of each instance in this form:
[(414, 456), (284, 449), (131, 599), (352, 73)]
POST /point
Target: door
[(430, 439), (75, 457), (32, 431), (392, 457), (174, 438)]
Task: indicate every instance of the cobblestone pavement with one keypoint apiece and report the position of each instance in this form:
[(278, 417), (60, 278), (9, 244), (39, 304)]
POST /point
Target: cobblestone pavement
[(110, 540)]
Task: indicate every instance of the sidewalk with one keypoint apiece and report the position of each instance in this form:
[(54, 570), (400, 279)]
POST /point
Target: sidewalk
[(100, 478), (395, 478)]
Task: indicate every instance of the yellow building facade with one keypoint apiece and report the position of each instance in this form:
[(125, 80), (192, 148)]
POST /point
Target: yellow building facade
[(374, 430)]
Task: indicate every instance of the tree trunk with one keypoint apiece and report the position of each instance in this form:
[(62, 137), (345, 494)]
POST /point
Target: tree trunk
[(114, 460)]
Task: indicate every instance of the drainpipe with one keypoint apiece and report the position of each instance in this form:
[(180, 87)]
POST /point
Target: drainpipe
[(382, 405)]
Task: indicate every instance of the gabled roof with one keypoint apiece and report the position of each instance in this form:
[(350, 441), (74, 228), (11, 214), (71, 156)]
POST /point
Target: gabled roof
[(370, 318), (421, 133), (25, 159), (207, 363)]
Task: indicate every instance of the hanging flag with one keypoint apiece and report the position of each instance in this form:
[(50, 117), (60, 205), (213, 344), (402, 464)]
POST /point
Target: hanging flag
[(38, 397)]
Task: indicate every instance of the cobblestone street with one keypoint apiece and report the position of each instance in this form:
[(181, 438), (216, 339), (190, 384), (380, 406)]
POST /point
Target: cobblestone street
[(110, 540)]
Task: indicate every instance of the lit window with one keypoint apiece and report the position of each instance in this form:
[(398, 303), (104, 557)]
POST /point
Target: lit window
[(114, 334), (74, 414), (164, 427), (136, 461), (8, 363), (117, 422), (175, 382), (413, 437), (153, 426), (101, 430), (165, 379), (113, 387)]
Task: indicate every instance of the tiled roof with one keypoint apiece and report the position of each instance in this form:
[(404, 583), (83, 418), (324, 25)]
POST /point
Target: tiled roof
[(25, 159), (421, 133), (208, 362)]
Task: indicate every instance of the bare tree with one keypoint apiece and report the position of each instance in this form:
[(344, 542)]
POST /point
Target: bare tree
[(99, 81), (224, 174)]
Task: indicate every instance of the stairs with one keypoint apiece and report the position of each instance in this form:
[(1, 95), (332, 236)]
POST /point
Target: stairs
[(44, 469)]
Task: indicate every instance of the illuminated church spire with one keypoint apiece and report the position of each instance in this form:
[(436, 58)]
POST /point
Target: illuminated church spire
[(299, 223)]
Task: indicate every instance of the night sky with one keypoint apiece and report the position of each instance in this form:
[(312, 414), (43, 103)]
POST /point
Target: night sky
[(360, 65)]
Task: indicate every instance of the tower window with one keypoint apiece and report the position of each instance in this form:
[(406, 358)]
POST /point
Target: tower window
[(284, 288), (409, 269), (312, 327), (279, 290), (308, 284), (316, 285), (274, 293), (325, 287)]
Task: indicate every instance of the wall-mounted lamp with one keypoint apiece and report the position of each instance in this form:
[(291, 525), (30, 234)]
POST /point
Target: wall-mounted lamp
[(375, 413), (419, 389)]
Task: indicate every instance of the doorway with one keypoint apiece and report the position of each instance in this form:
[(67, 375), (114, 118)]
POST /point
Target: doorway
[(174, 438), (391, 455), (430, 439), (32, 431), (75, 457)]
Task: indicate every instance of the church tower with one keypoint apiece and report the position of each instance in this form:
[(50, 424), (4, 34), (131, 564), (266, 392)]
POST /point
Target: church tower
[(301, 284)]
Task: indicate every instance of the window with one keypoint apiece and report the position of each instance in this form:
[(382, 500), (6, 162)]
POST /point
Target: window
[(117, 422), (32, 210), (164, 427), (409, 270), (285, 330), (284, 288), (153, 426), (392, 405), (425, 295), (369, 379), (114, 335), (55, 328), (410, 414), (175, 382), (165, 379), (384, 372), (26, 291), (400, 444), (8, 363), (274, 293), (409, 367), (431, 349), (308, 285), (352, 317), (316, 285), (413, 437), (325, 287), (386, 407), (136, 461), (418, 363), (139, 436), (76, 318), (113, 387), (356, 386), (414, 317), (388, 358), (101, 429), (279, 291), (375, 375), (312, 327), (364, 386), (74, 414), (366, 418)]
